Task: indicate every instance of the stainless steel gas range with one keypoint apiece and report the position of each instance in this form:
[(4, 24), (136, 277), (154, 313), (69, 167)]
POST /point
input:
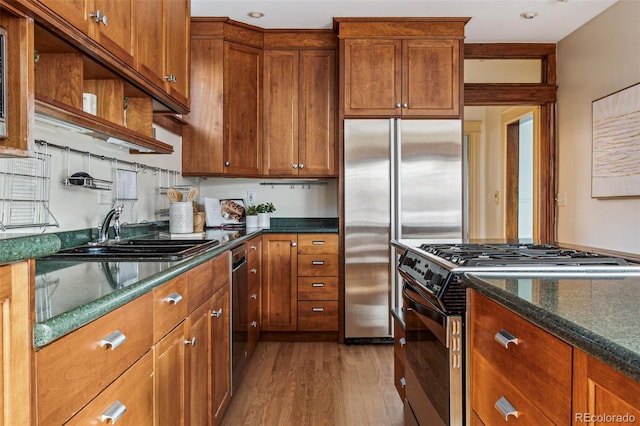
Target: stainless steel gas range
[(435, 303)]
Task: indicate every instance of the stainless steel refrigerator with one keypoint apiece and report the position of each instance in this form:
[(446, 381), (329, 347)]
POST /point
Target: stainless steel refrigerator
[(402, 180)]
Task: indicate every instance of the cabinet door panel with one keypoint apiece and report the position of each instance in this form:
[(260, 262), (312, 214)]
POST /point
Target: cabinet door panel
[(73, 11), (197, 366), (316, 118), (177, 16), (281, 112), (220, 359), (169, 379), (242, 110), (372, 77), (430, 84), (117, 34), (150, 52), (279, 282)]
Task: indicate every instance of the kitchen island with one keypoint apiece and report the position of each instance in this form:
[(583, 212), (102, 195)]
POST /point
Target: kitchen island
[(563, 348)]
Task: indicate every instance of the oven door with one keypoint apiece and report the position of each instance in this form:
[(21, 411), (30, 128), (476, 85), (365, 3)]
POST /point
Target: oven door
[(434, 362)]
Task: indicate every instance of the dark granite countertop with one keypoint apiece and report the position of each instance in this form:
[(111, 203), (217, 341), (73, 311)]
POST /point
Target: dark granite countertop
[(599, 315), (70, 294)]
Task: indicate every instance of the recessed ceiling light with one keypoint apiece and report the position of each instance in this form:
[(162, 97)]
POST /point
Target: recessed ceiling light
[(528, 15), (256, 15)]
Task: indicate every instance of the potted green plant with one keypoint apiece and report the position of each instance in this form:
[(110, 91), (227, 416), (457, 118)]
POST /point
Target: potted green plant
[(251, 214), (264, 214)]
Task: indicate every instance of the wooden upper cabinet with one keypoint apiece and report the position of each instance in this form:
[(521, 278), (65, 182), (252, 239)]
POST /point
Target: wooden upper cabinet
[(177, 21), (299, 112), (372, 77), (107, 22), (242, 145), (401, 67), (162, 44)]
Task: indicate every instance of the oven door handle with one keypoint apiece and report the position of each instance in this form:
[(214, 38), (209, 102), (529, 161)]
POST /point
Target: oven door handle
[(420, 307)]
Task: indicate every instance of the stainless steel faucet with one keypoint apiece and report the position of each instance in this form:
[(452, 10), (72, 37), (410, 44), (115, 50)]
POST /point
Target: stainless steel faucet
[(114, 214)]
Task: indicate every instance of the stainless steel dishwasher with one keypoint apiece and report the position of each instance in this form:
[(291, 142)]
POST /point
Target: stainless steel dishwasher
[(239, 315)]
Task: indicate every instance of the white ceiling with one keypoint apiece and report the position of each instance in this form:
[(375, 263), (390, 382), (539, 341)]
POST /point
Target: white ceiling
[(491, 21)]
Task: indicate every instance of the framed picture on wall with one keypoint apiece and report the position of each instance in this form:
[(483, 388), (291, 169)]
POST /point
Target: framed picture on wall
[(615, 152)]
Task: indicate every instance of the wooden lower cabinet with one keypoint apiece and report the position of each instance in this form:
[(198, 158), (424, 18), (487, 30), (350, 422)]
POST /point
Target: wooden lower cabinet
[(220, 355), (532, 375), (127, 401), (254, 265), (279, 282), (197, 344), (169, 379), (601, 394)]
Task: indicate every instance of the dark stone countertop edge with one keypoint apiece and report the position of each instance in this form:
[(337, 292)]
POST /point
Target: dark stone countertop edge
[(620, 358), (54, 328)]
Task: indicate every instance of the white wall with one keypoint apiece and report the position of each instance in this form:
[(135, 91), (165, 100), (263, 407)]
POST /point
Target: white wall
[(599, 58), (79, 208)]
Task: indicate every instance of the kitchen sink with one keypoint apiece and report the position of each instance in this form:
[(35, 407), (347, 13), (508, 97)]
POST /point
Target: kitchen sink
[(137, 249)]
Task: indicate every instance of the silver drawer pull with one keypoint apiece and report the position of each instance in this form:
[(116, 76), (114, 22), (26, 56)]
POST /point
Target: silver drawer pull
[(254, 247), (174, 298), (113, 413), (254, 271), (113, 340), (505, 408), (403, 382), (191, 342), (402, 341), (254, 296), (254, 324), (317, 309), (504, 338), (217, 314), (317, 284), (317, 262), (317, 243)]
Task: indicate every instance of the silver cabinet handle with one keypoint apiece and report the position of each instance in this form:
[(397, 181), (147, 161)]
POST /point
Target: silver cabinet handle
[(317, 309), (505, 408), (217, 314), (227, 163), (113, 413), (113, 340), (402, 341), (254, 271), (294, 244), (317, 262), (504, 338), (170, 78), (254, 296), (403, 382), (405, 105), (254, 324), (254, 247), (174, 298), (191, 342), (398, 105), (295, 166), (317, 242), (301, 166), (98, 17), (317, 284)]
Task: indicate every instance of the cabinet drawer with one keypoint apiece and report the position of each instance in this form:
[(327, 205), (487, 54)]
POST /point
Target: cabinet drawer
[(131, 392), (318, 315), (318, 288), (200, 285), (490, 385), (169, 306), (75, 368), (318, 265), (221, 266), (539, 365), (254, 253), (317, 244)]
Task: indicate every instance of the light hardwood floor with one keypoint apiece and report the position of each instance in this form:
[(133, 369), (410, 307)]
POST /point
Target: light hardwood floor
[(317, 383)]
